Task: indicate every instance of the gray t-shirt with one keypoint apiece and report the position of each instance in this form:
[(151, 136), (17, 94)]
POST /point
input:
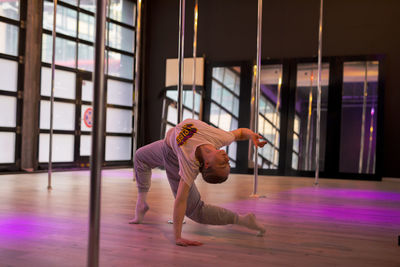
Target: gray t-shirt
[(186, 137)]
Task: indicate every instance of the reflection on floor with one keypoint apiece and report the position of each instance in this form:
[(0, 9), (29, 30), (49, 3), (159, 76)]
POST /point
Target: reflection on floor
[(347, 223)]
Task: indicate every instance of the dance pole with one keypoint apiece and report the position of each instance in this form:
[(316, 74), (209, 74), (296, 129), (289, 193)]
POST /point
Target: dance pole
[(364, 110), (257, 94), (371, 134), (196, 15), (307, 158), (318, 133), (181, 57), (53, 56), (180, 62), (138, 52), (98, 137)]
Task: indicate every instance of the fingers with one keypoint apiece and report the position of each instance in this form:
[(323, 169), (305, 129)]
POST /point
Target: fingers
[(262, 144), (256, 140)]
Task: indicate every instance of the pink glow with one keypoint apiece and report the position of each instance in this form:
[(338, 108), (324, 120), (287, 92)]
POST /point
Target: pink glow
[(337, 205)]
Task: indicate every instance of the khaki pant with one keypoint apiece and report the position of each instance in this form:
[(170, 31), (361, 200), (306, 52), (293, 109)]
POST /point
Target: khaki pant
[(159, 154)]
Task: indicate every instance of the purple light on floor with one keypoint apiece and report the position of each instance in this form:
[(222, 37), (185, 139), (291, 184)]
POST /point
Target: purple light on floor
[(347, 193), (35, 227), (340, 205), (17, 227)]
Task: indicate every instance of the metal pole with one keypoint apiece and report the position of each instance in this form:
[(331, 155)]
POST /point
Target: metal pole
[(307, 157), (53, 56), (364, 110), (257, 93), (252, 114), (318, 133), (374, 162), (371, 134), (138, 52), (196, 14), (275, 118), (181, 57), (97, 138)]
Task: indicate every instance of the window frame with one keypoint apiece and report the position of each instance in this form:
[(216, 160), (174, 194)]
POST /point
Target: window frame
[(81, 75), (19, 58), (288, 98)]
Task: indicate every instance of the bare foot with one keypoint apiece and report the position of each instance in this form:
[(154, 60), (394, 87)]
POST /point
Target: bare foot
[(261, 233), (141, 210), (249, 220)]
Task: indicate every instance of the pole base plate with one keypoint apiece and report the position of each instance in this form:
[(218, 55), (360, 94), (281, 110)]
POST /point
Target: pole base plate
[(257, 196)]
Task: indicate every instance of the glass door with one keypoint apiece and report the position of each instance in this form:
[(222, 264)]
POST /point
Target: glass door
[(269, 115), (359, 117), (351, 125), (305, 116)]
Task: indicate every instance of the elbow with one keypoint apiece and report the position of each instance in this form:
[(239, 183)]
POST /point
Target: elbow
[(242, 137)]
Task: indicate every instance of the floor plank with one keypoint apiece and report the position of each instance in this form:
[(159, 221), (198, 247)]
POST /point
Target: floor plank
[(338, 223)]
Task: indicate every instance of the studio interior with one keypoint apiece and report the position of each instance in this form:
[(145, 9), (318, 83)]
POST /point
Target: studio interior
[(199, 133)]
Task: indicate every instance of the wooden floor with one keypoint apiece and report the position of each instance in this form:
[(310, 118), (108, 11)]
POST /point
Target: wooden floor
[(339, 223)]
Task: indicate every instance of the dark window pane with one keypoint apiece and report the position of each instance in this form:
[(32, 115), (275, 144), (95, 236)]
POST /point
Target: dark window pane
[(306, 112), (359, 117)]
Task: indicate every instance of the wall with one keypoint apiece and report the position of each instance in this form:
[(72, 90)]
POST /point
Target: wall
[(227, 32)]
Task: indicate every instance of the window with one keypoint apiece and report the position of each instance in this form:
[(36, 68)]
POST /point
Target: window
[(349, 144), (296, 137), (74, 59), (10, 83), (359, 116), (269, 115), (63, 115), (170, 110), (224, 112), (303, 156)]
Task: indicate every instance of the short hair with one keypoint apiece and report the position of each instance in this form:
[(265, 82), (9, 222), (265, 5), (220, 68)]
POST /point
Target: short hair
[(210, 177)]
